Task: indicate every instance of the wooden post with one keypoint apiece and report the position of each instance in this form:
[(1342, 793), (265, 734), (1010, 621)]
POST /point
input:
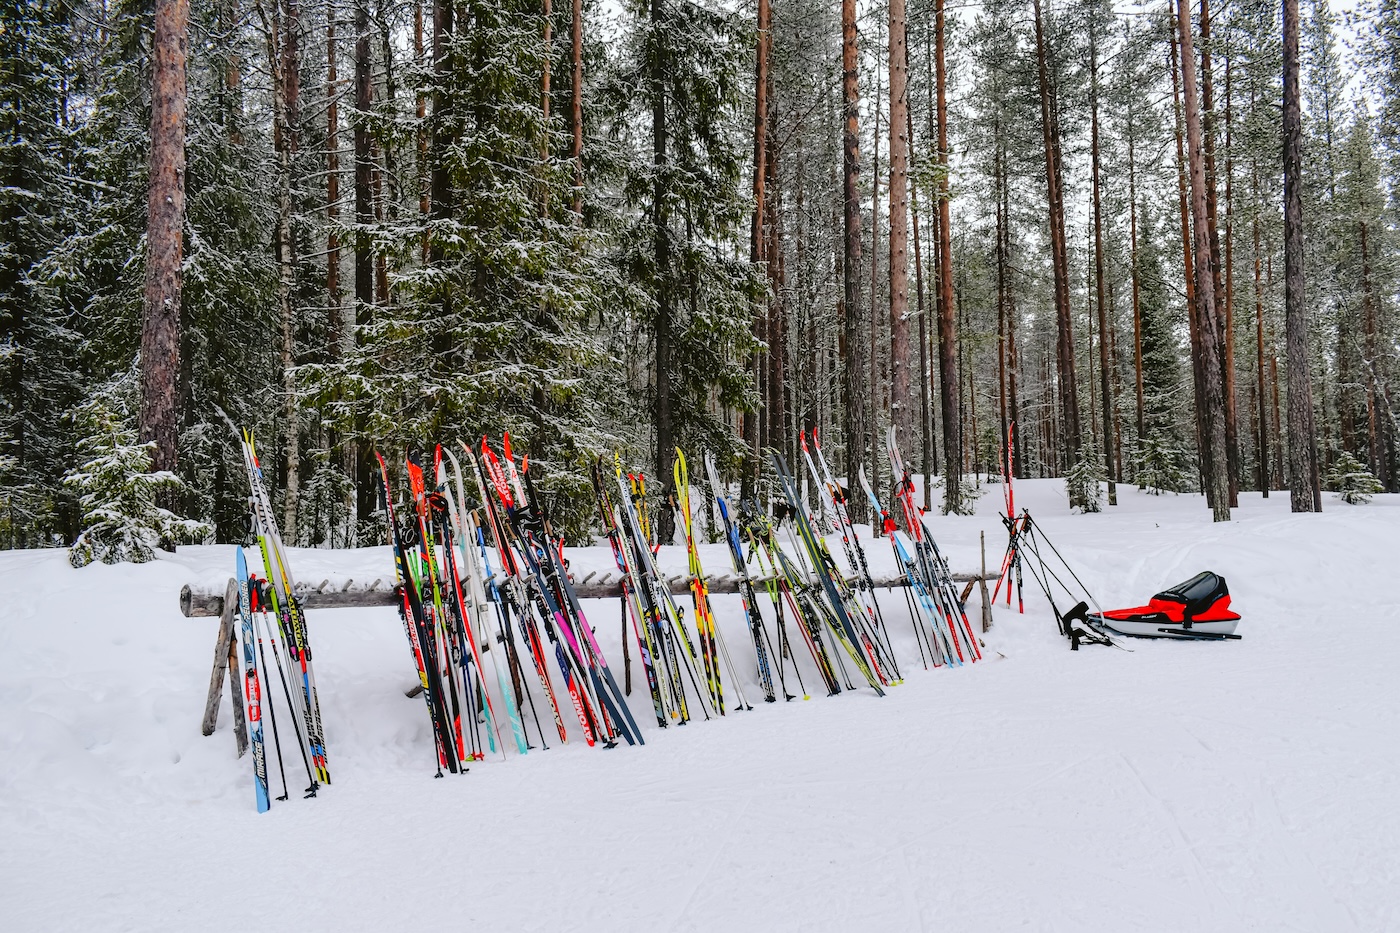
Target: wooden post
[(235, 679), (226, 660), (982, 588)]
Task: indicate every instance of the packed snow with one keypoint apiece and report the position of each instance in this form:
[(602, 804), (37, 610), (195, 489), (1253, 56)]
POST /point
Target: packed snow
[(1248, 785)]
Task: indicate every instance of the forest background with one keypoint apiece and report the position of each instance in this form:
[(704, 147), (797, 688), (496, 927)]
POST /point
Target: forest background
[(1159, 240)]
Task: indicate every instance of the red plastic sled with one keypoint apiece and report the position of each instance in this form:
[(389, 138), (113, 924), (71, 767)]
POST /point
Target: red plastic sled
[(1198, 608)]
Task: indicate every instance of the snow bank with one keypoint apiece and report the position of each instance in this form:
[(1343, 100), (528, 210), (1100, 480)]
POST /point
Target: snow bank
[(1247, 785)]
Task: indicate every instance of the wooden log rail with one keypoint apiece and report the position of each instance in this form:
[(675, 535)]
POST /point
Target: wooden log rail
[(201, 601)]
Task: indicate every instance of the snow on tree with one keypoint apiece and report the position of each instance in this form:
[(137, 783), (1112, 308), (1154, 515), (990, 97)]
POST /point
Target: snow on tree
[(120, 496)]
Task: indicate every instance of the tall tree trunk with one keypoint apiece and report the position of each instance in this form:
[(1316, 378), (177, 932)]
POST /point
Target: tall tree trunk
[(333, 297), (752, 422), (283, 42), (1208, 325), (1105, 388), (364, 165), (1305, 490), (948, 380), (1192, 309), (1001, 223), (1222, 307), (425, 198), (165, 225), (548, 43), (879, 362), (901, 400), (775, 420), (1136, 272), (1259, 354), (1064, 346), (855, 369), (341, 332), (665, 426), (1375, 448), (1232, 439), (1018, 461), (925, 429), (440, 181), (576, 102)]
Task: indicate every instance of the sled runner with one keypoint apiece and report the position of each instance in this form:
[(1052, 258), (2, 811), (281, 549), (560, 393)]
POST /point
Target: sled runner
[(1198, 608)]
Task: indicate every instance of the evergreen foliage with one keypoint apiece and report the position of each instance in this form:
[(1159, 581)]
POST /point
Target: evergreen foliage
[(1083, 479), (503, 309), (117, 492), (1349, 478)]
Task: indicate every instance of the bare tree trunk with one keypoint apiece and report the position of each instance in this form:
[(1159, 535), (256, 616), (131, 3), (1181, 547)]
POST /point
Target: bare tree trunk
[(425, 198), (1192, 310), (1208, 325), (576, 102), (925, 428), (1305, 490), (947, 324), (1133, 260), (1232, 439), (283, 50), (364, 165), (775, 420), (165, 226), (1104, 380), (855, 369), (1216, 264), (901, 401), (752, 422), (1001, 223), (665, 425), (546, 13), (1259, 356), (879, 362), (440, 180), (1375, 446), (337, 335), (1069, 393)]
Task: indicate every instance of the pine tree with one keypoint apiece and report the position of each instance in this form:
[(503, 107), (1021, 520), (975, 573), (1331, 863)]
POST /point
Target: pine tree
[(1349, 478), (116, 488)]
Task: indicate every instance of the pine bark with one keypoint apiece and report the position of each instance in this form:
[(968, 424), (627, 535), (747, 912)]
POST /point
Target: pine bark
[(1136, 273), (855, 370), (337, 326), (1192, 309), (576, 102), (922, 381), (165, 223), (753, 422), (948, 382), (1217, 265), (1208, 326), (1305, 491), (1259, 357), (1105, 386), (1375, 431), (901, 399), (1064, 329), (284, 42), (775, 420), (364, 166), (661, 247)]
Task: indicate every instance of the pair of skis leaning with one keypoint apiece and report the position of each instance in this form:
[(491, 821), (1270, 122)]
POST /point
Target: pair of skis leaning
[(270, 606), (532, 589), (941, 627)]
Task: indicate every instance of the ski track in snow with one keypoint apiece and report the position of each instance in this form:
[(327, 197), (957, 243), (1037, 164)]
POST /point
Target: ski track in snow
[(1239, 786)]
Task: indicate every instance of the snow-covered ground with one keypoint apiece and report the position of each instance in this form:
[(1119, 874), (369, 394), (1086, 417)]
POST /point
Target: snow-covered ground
[(1251, 785)]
